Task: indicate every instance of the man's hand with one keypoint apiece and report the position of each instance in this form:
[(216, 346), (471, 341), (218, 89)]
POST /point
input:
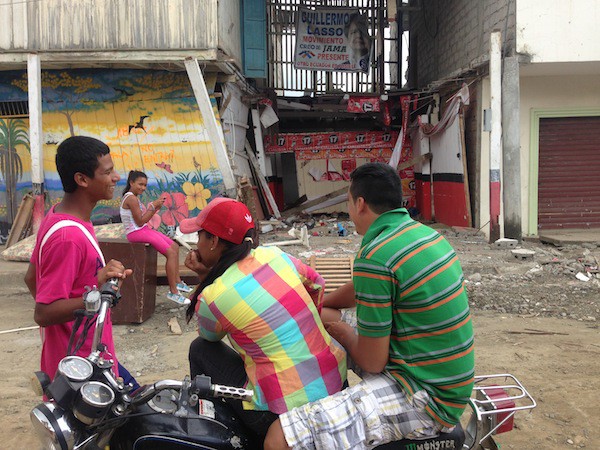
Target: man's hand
[(370, 354), (194, 262), (62, 311), (113, 269)]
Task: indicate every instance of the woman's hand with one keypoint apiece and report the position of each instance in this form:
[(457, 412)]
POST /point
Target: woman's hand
[(194, 262)]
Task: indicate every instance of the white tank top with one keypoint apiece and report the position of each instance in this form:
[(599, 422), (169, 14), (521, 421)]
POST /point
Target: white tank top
[(127, 217)]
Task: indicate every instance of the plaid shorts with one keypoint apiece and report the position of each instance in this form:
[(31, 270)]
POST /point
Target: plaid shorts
[(371, 413), (349, 316)]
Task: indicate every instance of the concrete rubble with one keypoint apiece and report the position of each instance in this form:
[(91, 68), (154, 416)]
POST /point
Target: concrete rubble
[(527, 277)]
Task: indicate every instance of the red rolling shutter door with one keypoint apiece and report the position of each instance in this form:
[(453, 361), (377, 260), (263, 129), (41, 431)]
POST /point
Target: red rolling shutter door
[(569, 173)]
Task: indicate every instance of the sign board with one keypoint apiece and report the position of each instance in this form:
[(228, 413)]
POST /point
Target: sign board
[(332, 39)]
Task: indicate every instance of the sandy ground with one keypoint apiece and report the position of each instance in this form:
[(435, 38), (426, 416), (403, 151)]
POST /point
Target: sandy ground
[(558, 362)]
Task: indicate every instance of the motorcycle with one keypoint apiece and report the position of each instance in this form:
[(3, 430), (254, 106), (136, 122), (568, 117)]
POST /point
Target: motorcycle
[(490, 411), (87, 407)]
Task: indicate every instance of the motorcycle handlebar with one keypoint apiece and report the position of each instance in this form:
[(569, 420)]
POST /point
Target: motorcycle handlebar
[(232, 392), (109, 295), (201, 385), (148, 392)]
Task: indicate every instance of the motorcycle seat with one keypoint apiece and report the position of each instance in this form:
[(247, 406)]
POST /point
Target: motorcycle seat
[(453, 440)]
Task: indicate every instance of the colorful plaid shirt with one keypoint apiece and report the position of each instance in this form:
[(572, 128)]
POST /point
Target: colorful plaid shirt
[(268, 304)]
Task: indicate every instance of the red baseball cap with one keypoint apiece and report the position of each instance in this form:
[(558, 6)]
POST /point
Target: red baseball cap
[(223, 217)]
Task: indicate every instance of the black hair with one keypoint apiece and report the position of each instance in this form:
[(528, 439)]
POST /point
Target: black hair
[(232, 254), (379, 184), (78, 154), (357, 18), (133, 175)]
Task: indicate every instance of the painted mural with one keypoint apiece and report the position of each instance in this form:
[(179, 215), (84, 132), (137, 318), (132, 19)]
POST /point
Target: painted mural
[(149, 119), (15, 169)]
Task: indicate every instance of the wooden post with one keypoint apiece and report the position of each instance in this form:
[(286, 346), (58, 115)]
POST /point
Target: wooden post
[(22, 224), (263, 160), (262, 181), (247, 197), (215, 132), (317, 201)]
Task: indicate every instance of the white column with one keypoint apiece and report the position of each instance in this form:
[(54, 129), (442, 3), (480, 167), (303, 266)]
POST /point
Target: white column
[(34, 96), (34, 88), (495, 134)]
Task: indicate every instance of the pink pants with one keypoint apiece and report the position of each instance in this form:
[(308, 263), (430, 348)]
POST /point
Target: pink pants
[(155, 238)]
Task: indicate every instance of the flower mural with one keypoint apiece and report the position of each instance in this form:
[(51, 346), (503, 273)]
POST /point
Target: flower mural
[(185, 194), (197, 195), (176, 209)]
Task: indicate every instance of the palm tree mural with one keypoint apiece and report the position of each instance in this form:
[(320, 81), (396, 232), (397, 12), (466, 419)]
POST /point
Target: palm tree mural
[(13, 132)]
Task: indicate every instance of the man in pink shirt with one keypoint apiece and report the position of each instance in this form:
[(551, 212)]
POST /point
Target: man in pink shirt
[(66, 257)]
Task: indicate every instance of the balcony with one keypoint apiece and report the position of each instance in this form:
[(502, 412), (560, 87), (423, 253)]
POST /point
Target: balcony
[(134, 33)]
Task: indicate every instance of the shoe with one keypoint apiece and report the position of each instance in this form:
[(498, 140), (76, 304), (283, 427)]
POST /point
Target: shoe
[(183, 287), (178, 298)]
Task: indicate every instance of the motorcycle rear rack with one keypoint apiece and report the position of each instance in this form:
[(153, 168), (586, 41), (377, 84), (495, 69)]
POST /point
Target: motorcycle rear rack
[(494, 409)]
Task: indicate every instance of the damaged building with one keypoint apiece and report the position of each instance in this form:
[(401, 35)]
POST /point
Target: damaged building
[(486, 108)]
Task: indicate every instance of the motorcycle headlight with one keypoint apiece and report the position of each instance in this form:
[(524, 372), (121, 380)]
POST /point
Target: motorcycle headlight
[(51, 427)]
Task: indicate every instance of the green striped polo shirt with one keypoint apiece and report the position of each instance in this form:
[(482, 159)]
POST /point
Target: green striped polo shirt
[(409, 285)]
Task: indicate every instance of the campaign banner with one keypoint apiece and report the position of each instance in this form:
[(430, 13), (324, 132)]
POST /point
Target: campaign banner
[(340, 141), (332, 39), (379, 154), (363, 104)]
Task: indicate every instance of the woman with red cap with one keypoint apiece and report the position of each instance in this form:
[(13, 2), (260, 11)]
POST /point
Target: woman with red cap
[(268, 304)]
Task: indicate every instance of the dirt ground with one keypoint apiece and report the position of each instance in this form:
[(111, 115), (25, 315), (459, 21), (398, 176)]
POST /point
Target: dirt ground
[(533, 318)]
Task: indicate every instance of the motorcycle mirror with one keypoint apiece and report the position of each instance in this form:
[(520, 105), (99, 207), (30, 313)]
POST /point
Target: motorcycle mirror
[(39, 382)]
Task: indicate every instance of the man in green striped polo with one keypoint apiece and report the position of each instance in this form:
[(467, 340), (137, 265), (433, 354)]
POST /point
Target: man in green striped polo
[(413, 341)]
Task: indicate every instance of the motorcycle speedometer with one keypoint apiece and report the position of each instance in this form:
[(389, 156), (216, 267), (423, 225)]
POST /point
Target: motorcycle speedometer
[(93, 402), (76, 368), (97, 394)]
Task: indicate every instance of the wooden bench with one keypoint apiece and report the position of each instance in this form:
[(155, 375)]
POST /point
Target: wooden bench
[(336, 271), (187, 275), (138, 293)]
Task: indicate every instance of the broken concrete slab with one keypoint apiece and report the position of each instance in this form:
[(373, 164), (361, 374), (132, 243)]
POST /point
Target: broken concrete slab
[(582, 277), (506, 243), (522, 253), (265, 228), (570, 236), (303, 239)]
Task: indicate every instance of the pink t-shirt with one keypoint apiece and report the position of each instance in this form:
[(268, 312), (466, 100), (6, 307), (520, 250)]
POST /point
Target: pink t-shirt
[(69, 262)]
